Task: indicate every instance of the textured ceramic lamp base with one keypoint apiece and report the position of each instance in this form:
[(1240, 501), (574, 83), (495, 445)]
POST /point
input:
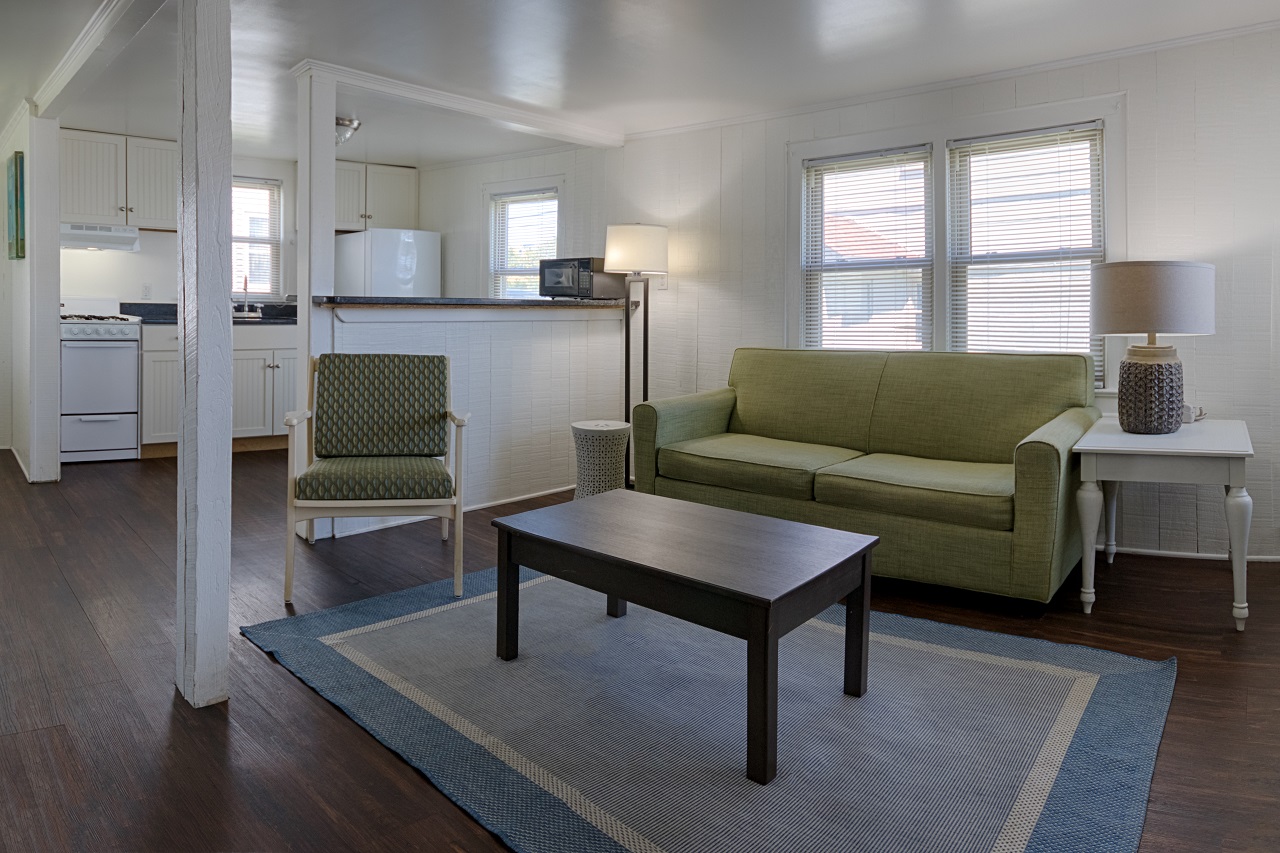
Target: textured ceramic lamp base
[(1149, 400)]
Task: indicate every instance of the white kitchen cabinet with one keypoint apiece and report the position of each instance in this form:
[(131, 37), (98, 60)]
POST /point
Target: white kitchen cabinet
[(93, 177), (262, 390), (151, 183), (116, 180), (264, 381), (161, 395), (370, 195)]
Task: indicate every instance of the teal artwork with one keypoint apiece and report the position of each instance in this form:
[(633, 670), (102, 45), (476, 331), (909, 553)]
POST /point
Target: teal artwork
[(16, 208)]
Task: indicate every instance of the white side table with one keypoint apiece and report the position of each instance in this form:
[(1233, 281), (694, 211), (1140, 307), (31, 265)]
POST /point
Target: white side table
[(601, 450), (1209, 452)]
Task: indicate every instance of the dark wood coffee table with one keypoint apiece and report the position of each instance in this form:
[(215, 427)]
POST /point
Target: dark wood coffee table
[(745, 575)]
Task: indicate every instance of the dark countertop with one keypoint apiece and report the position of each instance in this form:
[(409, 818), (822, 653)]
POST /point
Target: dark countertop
[(445, 302), (166, 313)]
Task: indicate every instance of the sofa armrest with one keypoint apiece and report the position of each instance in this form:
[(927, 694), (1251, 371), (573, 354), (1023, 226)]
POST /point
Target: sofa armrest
[(658, 423), (1046, 532)]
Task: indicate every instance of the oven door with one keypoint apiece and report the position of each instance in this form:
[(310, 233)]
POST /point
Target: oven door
[(99, 377)]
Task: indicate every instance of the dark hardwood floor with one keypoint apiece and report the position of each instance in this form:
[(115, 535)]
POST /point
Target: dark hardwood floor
[(98, 752)]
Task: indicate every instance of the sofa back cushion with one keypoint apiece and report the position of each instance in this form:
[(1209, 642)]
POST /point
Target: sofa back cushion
[(972, 407), (813, 396)]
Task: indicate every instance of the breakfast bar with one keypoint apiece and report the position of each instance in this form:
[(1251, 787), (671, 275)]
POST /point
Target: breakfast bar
[(524, 369)]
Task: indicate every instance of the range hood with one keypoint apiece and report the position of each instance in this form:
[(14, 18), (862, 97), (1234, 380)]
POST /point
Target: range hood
[(116, 238)]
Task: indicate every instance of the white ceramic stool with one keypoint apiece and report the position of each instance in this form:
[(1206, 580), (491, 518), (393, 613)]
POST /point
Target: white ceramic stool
[(601, 448)]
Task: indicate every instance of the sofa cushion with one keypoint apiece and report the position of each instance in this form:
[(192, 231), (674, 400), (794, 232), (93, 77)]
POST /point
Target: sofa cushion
[(973, 494), (750, 463), (818, 396), (972, 407), (374, 478)]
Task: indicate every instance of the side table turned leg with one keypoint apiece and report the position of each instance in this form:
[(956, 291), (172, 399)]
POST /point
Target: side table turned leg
[(1109, 490), (1089, 506), (1239, 517)]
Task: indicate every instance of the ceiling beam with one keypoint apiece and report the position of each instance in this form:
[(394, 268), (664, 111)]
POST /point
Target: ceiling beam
[(112, 26), (513, 117)]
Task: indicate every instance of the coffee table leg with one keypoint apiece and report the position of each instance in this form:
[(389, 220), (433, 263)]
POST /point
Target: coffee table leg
[(615, 606), (762, 706), (508, 599), (857, 633)]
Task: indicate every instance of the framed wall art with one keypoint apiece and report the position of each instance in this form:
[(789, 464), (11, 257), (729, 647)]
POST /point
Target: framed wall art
[(16, 218)]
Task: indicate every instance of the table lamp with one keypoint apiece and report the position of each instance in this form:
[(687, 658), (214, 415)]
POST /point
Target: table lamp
[(1151, 297)]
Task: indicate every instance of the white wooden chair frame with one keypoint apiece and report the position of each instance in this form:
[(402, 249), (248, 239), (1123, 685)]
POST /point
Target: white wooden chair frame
[(298, 511)]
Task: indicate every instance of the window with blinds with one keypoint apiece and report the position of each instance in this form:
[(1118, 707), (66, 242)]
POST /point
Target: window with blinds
[(867, 251), (255, 238), (1025, 228), (523, 231)]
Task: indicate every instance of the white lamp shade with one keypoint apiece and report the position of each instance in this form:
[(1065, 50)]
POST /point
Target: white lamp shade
[(1146, 297), (638, 249)]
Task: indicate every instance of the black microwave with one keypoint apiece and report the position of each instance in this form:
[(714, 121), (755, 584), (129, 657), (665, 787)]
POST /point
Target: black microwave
[(579, 278)]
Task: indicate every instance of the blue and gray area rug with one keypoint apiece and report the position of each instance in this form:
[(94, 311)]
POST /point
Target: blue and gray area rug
[(630, 734)]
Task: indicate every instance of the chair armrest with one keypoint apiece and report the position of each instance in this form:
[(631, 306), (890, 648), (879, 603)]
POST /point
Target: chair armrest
[(657, 423), (458, 420), (292, 419), (1046, 474)]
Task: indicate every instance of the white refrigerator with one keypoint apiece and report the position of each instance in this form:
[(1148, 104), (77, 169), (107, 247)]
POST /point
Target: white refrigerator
[(387, 262)]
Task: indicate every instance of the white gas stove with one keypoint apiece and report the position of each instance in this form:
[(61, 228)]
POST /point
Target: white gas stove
[(100, 366)]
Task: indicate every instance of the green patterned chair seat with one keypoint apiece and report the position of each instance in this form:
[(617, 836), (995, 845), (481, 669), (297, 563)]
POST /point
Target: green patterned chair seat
[(375, 478)]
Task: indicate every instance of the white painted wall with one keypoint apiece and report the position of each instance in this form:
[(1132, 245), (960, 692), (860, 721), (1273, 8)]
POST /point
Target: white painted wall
[(523, 376), (123, 275), (1199, 186), (15, 328), (14, 140)]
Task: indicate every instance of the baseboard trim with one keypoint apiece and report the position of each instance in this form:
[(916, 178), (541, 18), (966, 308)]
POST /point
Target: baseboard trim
[(1190, 555), (169, 449), (412, 519)]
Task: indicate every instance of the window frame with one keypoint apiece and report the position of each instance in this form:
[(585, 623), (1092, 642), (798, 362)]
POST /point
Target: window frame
[(1109, 109), (275, 240), (497, 191), (961, 218)]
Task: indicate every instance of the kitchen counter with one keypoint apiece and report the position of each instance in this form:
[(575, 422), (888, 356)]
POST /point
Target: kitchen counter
[(446, 302), (166, 313), (524, 369)]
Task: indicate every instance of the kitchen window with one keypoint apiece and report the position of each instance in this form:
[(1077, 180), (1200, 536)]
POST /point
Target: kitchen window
[(524, 229), (255, 238)]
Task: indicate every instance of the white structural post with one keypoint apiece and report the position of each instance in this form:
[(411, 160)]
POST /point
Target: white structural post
[(43, 218), (317, 105), (204, 308)]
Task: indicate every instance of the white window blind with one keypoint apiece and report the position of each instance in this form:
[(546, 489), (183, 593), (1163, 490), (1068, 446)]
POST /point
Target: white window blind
[(1026, 226), (523, 231), (255, 238), (868, 251)]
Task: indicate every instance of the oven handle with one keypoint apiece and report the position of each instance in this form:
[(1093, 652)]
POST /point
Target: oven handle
[(95, 418), (98, 344)]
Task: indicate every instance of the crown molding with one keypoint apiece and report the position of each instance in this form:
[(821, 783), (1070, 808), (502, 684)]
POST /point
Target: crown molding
[(925, 88), (513, 117), (14, 120), (112, 26)]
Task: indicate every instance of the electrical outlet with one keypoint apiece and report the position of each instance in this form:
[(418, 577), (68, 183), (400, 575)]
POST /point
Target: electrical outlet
[(146, 291)]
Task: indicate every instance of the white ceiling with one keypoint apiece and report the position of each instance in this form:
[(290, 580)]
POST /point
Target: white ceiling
[(631, 66)]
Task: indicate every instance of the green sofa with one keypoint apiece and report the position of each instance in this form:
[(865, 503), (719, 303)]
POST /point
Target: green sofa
[(960, 462)]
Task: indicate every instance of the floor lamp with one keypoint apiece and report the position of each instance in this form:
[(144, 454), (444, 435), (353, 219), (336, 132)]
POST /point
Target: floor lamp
[(639, 251)]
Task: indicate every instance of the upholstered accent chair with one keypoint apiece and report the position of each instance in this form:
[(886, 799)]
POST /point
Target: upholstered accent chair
[(378, 444)]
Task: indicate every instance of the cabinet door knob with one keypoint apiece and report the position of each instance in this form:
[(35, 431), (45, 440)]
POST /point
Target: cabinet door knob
[(131, 210), (121, 209)]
